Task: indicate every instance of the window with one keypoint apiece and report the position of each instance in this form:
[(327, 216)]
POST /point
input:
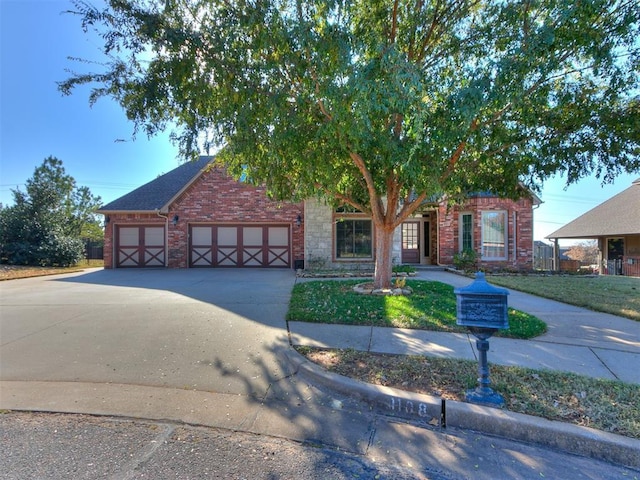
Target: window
[(466, 232), (494, 235), (410, 239), (353, 239)]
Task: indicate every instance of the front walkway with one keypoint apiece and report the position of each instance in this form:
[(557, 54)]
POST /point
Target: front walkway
[(578, 340)]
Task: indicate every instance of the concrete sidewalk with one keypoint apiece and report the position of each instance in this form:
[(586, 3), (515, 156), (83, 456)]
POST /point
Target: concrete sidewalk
[(578, 340)]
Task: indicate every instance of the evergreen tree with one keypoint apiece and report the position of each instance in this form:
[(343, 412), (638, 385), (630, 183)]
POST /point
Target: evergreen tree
[(45, 224)]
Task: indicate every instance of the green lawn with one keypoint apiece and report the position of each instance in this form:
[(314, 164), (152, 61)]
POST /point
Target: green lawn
[(432, 306), (610, 294), (607, 405)]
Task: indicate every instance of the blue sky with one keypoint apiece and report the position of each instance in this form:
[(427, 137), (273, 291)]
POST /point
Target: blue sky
[(37, 121)]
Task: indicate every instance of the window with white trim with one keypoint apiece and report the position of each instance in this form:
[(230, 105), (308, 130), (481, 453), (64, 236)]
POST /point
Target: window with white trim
[(494, 235)]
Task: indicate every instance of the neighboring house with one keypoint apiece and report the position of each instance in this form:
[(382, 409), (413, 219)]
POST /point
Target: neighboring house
[(615, 224), (197, 216)]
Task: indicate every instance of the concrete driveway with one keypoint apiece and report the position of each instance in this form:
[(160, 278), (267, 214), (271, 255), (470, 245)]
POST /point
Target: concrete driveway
[(209, 330)]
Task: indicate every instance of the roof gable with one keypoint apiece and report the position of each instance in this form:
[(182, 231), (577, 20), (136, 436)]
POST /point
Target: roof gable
[(158, 194), (620, 215)]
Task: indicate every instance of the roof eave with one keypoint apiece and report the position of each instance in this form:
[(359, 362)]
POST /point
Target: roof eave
[(128, 212), (554, 235)]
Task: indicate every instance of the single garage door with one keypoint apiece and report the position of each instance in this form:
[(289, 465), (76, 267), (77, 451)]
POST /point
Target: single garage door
[(140, 246), (239, 246)]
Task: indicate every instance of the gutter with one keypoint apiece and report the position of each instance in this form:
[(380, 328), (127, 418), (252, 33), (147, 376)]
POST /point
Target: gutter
[(166, 237)]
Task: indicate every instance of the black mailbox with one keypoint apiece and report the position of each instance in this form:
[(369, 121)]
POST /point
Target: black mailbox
[(481, 305), (483, 309)]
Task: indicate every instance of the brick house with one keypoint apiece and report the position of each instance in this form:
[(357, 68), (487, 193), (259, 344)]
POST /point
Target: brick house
[(197, 216)]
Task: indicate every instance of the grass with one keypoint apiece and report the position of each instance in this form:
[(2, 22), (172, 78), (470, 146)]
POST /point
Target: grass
[(12, 272), (606, 405), (610, 294), (432, 306)]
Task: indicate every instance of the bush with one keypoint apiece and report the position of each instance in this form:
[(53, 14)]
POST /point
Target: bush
[(466, 260), (60, 251), (56, 251), (404, 269), (17, 253)]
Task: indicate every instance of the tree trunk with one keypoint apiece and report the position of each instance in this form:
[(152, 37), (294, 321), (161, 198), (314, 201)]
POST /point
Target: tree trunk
[(384, 265)]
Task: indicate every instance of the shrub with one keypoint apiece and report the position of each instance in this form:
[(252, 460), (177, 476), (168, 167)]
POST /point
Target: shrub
[(466, 260), (60, 251), (404, 269), (55, 251)]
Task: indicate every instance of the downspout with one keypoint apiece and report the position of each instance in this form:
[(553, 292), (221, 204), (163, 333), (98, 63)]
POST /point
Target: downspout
[(438, 237), (515, 239), (166, 236), (533, 236), (114, 250)]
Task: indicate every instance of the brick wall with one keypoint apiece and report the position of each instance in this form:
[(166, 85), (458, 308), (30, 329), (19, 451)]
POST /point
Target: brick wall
[(217, 198), (445, 232), (519, 237), (213, 198)]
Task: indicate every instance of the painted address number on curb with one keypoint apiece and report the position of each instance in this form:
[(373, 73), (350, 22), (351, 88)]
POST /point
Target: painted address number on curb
[(407, 406)]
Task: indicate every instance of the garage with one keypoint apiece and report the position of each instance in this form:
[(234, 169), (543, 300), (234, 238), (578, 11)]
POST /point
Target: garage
[(196, 215), (241, 245), (140, 246)]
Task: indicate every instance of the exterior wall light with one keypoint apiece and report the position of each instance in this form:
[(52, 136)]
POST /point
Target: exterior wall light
[(298, 220), (175, 219)]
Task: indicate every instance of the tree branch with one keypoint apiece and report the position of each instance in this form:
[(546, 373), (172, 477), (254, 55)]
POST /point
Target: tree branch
[(408, 208), (394, 23), (375, 200), (455, 157), (344, 198), (412, 41)]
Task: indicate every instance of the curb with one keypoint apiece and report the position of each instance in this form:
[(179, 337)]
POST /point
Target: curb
[(431, 410)]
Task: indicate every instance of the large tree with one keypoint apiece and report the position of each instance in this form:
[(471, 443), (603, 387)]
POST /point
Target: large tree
[(585, 252), (381, 104), (47, 222)]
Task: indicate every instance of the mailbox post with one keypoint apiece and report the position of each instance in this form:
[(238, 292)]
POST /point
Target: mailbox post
[(482, 308)]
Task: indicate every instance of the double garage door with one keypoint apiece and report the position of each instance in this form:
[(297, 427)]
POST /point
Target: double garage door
[(209, 246), (239, 246)]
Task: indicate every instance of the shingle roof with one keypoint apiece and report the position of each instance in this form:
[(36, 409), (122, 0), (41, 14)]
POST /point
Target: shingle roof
[(159, 193), (620, 215)]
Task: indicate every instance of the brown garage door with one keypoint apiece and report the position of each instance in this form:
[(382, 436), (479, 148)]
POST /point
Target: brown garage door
[(140, 246), (239, 246)]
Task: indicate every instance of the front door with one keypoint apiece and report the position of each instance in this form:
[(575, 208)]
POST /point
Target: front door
[(411, 242), (615, 253)]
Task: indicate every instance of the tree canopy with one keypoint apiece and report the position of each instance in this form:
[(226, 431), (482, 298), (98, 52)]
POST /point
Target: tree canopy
[(585, 252), (46, 223), (381, 104)]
